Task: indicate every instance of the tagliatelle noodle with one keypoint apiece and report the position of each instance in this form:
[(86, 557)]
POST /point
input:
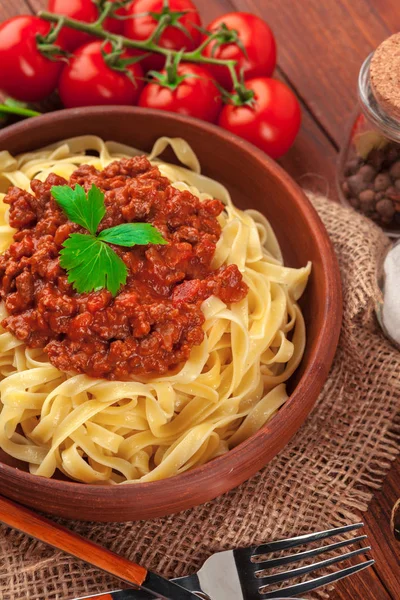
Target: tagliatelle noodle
[(119, 432)]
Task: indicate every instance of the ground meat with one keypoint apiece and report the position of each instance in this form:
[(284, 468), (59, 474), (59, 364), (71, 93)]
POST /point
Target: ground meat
[(155, 320)]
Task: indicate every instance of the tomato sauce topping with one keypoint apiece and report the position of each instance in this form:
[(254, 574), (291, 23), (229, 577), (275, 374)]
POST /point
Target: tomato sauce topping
[(155, 320)]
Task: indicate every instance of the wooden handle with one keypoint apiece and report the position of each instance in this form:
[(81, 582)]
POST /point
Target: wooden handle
[(39, 527), (101, 597)]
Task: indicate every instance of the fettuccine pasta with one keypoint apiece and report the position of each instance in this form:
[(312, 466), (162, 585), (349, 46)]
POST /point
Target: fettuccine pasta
[(119, 432)]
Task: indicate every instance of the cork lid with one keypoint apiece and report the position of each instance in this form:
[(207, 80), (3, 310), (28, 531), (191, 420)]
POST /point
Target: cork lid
[(385, 75)]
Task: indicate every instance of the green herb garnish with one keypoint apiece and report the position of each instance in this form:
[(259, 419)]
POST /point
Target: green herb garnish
[(88, 259), (86, 211)]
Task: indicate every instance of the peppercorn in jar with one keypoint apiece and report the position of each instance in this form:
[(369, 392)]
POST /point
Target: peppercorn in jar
[(369, 168)]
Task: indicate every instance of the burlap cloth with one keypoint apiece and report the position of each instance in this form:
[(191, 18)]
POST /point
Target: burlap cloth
[(328, 471)]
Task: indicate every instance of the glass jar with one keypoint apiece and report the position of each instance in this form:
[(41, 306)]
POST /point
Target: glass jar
[(369, 164)]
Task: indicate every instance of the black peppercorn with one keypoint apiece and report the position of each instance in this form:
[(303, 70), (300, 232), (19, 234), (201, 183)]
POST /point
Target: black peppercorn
[(382, 181), (367, 200), (386, 209), (395, 170), (357, 184), (367, 172), (352, 166)]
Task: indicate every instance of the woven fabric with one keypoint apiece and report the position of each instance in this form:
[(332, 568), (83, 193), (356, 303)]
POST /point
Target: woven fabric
[(327, 472)]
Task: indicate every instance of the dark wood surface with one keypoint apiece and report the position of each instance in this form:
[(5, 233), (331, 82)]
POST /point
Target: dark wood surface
[(321, 45)]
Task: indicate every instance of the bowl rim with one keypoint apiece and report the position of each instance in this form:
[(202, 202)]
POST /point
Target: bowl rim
[(324, 346)]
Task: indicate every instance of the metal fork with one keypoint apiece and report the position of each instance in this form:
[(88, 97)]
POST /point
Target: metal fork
[(240, 574)]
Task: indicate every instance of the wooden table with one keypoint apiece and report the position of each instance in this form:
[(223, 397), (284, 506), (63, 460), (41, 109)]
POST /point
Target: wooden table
[(321, 45)]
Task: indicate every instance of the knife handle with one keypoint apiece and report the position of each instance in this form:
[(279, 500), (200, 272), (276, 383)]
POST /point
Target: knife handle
[(59, 537), (120, 595)]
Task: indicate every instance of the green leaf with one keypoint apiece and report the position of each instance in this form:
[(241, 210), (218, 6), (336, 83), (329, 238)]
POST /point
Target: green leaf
[(130, 234), (117, 272), (91, 264), (87, 212), (97, 208)]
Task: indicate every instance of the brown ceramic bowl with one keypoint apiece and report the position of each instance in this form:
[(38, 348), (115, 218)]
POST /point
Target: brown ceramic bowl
[(254, 181)]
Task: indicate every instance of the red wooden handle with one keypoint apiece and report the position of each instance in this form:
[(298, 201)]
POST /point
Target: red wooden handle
[(39, 527), (101, 597)]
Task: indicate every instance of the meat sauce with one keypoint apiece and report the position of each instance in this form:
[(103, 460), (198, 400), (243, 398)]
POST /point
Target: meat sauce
[(155, 320)]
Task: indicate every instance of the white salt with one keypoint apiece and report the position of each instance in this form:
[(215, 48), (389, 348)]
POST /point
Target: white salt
[(391, 294)]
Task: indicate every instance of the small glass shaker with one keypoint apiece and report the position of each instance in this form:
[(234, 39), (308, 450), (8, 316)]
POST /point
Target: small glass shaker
[(369, 164)]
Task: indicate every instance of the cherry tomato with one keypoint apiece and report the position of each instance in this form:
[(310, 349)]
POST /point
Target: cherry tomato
[(88, 81), (196, 96), (255, 37), (86, 11), (25, 73), (271, 123), (141, 27)]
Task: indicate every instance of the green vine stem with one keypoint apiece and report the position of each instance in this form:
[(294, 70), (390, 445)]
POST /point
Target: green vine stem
[(149, 45), (107, 10), (17, 110)]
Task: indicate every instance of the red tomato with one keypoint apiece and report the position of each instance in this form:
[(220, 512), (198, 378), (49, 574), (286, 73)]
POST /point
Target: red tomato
[(82, 10), (194, 96), (272, 123), (88, 81), (25, 73), (256, 38), (141, 27)]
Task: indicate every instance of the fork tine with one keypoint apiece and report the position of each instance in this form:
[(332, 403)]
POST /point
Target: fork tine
[(308, 586), (291, 558), (268, 579), (303, 539)]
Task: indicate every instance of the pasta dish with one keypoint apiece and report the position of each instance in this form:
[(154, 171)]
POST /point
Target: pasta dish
[(147, 324)]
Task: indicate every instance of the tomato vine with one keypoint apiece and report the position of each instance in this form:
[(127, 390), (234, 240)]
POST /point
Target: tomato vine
[(242, 95)]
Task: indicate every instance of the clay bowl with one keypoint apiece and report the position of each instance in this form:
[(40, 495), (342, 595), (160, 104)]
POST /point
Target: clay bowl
[(254, 181)]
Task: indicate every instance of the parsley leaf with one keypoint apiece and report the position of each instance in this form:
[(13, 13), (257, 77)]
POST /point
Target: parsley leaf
[(130, 234), (88, 259), (85, 211), (92, 264)]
